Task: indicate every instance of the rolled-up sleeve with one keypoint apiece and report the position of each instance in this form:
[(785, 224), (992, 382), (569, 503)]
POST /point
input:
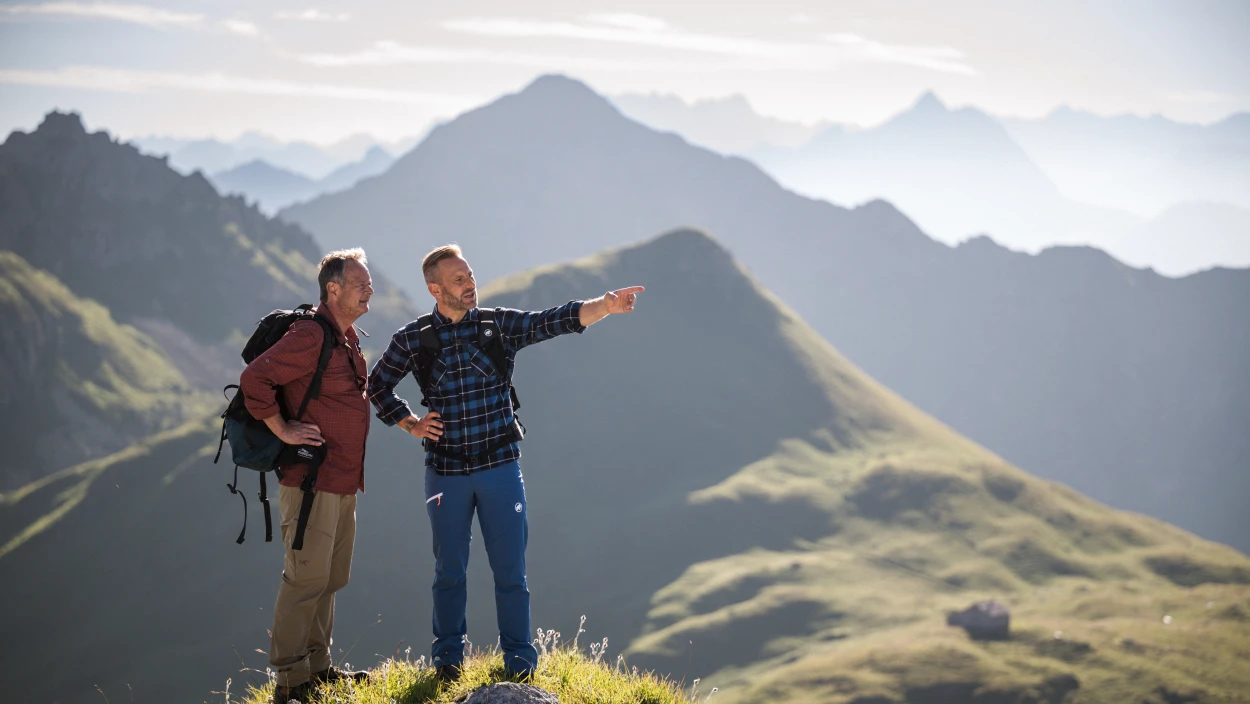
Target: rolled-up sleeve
[(291, 357), (524, 328), (388, 371)]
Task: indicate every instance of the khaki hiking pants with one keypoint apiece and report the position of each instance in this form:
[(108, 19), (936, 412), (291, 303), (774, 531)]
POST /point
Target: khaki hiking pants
[(303, 617)]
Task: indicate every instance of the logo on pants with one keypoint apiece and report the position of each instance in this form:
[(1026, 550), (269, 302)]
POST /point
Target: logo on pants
[(518, 507)]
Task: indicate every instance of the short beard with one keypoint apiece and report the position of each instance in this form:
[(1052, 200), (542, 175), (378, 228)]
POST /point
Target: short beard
[(454, 303)]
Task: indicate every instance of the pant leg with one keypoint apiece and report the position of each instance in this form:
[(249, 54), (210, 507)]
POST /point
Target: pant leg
[(449, 504), (320, 637), (501, 511), (305, 576)]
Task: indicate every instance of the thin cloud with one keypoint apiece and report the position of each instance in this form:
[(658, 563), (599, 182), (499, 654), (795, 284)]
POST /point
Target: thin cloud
[(136, 14), (935, 58), (128, 81), (626, 20), (831, 52), (314, 15), (391, 53), (246, 29)]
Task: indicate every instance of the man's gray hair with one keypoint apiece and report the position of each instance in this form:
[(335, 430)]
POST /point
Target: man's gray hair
[(429, 265), (332, 265)]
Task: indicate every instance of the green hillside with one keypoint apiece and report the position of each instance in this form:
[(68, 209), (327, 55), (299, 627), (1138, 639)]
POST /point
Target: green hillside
[(76, 382), (915, 521), (708, 481)]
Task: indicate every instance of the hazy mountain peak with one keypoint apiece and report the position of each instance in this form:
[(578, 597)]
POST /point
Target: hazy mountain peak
[(554, 88), (61, 123), (929, 102)]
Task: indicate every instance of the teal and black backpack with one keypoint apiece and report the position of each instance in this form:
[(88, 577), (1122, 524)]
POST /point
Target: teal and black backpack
[(252, 444)]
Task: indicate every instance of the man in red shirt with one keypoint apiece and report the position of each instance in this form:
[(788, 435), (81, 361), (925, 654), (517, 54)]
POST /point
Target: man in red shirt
[(338, 422)]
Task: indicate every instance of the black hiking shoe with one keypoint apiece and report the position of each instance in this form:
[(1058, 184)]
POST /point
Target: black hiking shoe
[(334, 674), (447, 673), (300, 693)]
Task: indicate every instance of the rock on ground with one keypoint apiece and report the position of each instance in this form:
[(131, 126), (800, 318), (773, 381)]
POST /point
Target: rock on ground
[(988, 620), (511, 693)]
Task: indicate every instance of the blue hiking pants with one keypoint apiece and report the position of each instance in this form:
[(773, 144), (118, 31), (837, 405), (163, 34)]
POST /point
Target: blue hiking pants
[(498, 496)]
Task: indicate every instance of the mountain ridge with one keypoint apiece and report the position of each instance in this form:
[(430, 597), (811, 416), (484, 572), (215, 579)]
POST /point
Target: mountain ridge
[(1055, 361)]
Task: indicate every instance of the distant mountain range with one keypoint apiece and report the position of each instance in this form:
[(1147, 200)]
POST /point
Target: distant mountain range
[(1121, 383), (956, 172), (312, 161), (1142, 165), (1069, 178), (744, 506), (274, 188), (728, 125)]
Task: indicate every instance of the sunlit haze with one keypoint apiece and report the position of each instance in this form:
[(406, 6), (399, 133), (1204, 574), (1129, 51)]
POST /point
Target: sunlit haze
[(325, 71)]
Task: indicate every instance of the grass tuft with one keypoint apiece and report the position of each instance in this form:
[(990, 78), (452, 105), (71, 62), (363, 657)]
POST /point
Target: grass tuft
[(564, 670)]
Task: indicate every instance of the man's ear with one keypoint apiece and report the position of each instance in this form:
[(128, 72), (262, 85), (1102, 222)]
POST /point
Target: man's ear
[(435, 290), (333, 289)]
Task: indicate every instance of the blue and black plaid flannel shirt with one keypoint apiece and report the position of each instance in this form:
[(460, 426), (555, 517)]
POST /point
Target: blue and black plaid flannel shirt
[(472, 402)]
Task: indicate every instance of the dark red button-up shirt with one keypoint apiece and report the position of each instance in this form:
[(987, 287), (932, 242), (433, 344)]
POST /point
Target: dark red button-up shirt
[(341, 411)]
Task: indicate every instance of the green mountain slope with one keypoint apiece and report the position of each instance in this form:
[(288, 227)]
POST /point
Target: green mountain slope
[(75, 382), (823, 570), (679, 463)]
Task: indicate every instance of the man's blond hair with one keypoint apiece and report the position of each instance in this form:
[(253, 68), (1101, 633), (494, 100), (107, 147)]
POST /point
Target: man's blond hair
[(332, 265), (429, 265)]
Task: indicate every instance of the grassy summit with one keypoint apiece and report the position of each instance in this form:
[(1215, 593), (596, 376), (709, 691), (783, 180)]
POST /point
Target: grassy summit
[(563, 670)]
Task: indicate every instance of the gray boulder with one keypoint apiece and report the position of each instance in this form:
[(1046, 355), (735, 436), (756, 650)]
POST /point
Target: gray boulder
[(511, 693), (988, 620)]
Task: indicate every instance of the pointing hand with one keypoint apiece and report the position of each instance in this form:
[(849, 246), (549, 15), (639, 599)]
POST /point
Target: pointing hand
[(622, 300)]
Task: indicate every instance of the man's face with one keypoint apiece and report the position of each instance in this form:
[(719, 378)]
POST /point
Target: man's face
[(352, 299), (458, 289)]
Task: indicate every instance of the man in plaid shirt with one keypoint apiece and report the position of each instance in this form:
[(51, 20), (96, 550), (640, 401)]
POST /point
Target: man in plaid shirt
[(470, 434)]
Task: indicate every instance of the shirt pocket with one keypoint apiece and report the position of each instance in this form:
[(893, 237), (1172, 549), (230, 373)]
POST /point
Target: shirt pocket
[(480, 362), (439, 376)]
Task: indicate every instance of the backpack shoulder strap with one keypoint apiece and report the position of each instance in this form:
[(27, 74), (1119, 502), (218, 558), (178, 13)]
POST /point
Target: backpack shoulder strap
[(490, 341), (328, 342), (427, 351)]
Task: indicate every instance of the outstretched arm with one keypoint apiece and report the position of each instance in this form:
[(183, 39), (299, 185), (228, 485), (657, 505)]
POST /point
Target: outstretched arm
[(611, 303)]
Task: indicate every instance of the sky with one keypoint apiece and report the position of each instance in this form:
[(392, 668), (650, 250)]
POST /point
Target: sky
[(326, 70)]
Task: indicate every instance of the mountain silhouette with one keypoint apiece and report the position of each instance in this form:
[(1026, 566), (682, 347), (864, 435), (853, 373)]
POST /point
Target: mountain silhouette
[(94, 213), (956, 172), (273, 188), (679, 463), (728, 125), (1121, 383), (1143, 165)]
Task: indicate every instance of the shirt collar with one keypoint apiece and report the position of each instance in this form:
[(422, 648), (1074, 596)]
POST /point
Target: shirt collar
[(324, 311), (440, 319)]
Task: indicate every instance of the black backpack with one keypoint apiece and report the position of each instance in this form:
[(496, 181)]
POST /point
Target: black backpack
[(252, 444), (490, 342)]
